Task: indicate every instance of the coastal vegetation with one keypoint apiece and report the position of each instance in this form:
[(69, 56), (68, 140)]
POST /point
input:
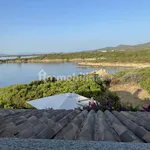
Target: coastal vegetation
[(139, 76), (91, 85), (133, 85), (133, 56), (16, 96), (121, 54), (109, 56)]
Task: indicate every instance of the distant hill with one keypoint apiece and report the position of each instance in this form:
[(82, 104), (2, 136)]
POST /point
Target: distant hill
[(145, 46)]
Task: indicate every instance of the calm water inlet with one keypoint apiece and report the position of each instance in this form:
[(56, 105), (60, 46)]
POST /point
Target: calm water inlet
[(26, 72)]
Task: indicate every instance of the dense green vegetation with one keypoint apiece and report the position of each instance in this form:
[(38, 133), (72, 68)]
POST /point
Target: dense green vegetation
[(15, 96), (129, 56), (123, 53), (140, 76), (110, 56)]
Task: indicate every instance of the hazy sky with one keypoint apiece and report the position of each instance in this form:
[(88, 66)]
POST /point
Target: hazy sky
[(31, 26)]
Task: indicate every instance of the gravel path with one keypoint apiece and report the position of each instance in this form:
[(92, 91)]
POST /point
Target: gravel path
[(30, 144)]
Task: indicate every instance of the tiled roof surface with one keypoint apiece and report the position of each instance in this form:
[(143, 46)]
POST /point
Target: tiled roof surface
[(76, 125)]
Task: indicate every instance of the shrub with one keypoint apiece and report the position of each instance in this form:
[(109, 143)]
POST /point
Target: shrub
[(146, 84), (16, 96), (140, 76), (130, 77)]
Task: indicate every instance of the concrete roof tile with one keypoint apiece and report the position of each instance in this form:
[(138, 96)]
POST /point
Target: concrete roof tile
[(75, 125)]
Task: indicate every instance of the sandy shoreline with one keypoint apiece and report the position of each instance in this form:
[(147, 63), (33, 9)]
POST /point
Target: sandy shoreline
[(103, 64), (80, 62), (43, 60)]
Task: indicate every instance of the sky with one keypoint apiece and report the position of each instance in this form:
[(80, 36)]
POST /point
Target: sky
[(45, 26)]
